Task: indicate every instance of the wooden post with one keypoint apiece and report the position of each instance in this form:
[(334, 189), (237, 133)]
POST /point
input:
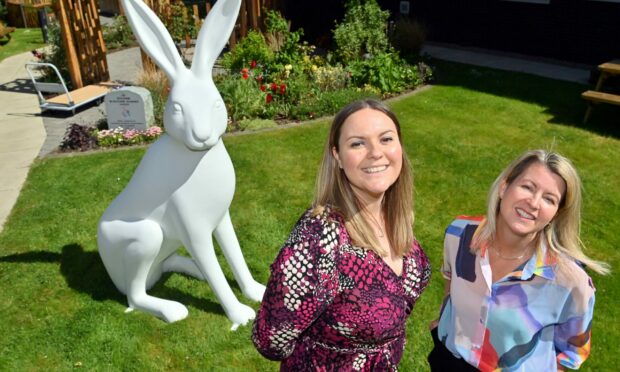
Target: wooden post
[(243, 19), (147, 63), (252, 10), (196, 16), (67, 38)]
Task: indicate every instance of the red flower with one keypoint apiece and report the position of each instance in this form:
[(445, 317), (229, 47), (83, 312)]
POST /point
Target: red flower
[(269, 98), (263, 87), (282, 89), (253, 64), (245, 76), (274, 87), (244, 71), (260, 79)]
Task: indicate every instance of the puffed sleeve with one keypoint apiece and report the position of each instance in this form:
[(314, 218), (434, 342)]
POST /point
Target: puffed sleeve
[(302, 284), (572, 334)]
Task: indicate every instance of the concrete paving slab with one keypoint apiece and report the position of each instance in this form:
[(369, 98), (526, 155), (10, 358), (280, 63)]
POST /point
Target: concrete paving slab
[(21, 131), (510, 62)]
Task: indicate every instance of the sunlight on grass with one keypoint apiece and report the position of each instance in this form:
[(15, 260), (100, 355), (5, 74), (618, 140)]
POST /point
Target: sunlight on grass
[(59, 308), (22, 40)]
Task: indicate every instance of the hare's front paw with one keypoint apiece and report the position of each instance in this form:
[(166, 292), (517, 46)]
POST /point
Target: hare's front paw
[(174, 311), (240, 315), (169, 311), (254, 291)]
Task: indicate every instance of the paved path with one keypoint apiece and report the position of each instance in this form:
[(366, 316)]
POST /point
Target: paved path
[(21, 130), (510, 62)]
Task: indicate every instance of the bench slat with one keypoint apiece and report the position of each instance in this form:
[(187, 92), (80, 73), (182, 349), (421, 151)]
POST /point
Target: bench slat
[(592, 95)]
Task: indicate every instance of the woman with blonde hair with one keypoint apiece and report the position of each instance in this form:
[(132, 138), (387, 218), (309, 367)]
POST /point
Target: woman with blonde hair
[(517, 295), (348, 276)]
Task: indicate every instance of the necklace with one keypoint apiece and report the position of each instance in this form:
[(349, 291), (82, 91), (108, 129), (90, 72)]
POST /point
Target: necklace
[(499, 254)]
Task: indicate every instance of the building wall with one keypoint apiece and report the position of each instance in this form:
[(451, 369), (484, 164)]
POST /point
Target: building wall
[(572, 30)]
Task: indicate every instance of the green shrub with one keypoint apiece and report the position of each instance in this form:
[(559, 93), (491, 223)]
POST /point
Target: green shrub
[(330, 77), (362, 32), (286, 45), (56, 56), (253, 47), (385, 71), (118, 34), (179, 21), (242, 96), (328, 103)]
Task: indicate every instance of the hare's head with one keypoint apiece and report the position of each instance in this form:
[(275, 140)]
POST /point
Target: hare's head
[(195, 113)]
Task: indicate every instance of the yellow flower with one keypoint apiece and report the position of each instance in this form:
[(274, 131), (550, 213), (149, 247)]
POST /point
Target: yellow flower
[(288, 67)]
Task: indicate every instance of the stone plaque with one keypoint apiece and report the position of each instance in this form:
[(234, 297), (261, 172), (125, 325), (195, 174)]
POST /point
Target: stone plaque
[(129, 108)]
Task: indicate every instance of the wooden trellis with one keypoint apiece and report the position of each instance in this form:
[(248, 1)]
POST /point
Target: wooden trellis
[(83, 41), (251, 16)]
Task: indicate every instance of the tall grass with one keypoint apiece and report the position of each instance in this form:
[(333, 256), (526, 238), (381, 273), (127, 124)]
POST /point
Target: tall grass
[(59, 310)]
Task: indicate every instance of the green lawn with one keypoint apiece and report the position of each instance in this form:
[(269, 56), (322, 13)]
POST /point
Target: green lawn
[(59, 310), (22, 40)]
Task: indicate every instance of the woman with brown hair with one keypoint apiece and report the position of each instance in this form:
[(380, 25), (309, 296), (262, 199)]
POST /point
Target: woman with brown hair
[(349, 274)]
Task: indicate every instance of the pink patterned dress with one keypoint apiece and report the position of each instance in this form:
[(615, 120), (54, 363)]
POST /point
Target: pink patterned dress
[(332, 306)]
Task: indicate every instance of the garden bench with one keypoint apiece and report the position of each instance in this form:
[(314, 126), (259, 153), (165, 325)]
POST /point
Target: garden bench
[(66, 100), (607, 69)]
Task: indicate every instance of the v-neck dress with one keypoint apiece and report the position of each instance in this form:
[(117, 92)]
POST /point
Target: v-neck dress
[(332, 306)]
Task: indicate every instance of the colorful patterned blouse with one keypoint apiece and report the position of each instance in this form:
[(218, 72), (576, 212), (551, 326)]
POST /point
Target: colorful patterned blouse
[(331, 306), (527, 321)]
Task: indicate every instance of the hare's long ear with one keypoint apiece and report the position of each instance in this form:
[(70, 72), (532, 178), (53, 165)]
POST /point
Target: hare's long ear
[(153, 36), (214, 34)]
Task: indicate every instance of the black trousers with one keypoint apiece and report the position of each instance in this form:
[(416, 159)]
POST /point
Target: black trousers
[(442, 360)]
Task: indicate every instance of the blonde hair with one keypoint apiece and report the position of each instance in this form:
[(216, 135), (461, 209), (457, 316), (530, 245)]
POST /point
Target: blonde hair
[(333, 188), (561, 235)]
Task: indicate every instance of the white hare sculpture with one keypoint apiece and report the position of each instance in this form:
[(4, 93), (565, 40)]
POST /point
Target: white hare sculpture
[(180, 193)]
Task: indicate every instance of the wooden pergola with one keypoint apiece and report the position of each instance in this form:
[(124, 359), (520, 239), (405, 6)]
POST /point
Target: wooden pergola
[(86, 50)]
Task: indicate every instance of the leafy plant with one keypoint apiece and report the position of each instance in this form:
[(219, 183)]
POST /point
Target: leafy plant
[(330, 77), (362, 32), (253, 47), (118, 33), (179, 22), (243, 96), (286, 45), (79, 137), (329, 102), (385, 71), (56, 55)]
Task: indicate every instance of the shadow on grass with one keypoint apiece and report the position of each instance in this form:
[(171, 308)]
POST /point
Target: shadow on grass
[(560, 99), (85, 273)]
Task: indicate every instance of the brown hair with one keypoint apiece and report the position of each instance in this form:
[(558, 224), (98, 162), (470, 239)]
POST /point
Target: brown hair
[(333, 188)]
